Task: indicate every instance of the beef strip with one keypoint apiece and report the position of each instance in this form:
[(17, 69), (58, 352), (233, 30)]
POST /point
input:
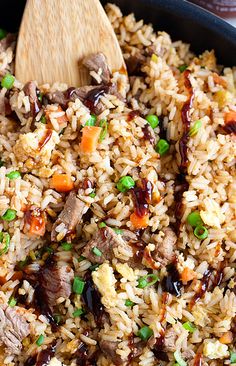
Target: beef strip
[(13, 329), (109, 349), (56, 282), (30, 89), (170, 340), (7, 41), (106, 240), (71, 214), (134, 63), (97, 62), (165, 251)]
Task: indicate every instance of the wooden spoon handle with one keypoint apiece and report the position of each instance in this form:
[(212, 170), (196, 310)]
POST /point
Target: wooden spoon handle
[(56, 34)]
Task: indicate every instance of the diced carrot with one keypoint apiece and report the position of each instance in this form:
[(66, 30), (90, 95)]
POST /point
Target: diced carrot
[(226, 338), (62, 182), (90, 136), (139, 222), (17, 276), (230, 116), (219, 80), (37, 225), (60, 120), (187, 275)]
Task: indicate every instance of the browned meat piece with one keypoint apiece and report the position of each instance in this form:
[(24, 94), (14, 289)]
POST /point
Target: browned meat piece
[(13, 329), (105, 240), (56, 283), (109, 348), (170, 340), (149, 134), (165, 251), (31, 90), (71, 214), (7, 41), (188, 355), (97, 62), (134, 63)]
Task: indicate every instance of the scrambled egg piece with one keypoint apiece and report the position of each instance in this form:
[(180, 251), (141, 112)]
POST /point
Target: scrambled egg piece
[(214, 350), (105, 281), (55, 362), (212, 216), (35, 148), (125, 271)]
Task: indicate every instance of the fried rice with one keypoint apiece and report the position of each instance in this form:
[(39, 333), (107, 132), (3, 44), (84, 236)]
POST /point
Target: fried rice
[(99, 270)]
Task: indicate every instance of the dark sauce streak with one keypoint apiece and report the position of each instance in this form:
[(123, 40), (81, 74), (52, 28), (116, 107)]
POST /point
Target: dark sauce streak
[(133, 114), (87, 184), (142, 196), (45, 356), (202, 288), (198, 360), (172, 283), (159, 349), (82, 355), (230, 127), (41, 303), (30, 361), (131, 347), (45, 139), (92, 299), (138, 250), (93, 97), (185, 115), (162, 133), (148, 134)]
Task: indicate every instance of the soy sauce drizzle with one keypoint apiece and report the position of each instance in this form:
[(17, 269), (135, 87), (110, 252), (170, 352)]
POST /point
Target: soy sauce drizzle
[(45, 139), (93, 97), (142, 196), (45, 356), (202, 288), (230, 127)]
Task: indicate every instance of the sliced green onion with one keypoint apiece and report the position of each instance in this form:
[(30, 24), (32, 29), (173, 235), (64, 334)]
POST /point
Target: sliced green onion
[(189, 326), (97, 252), (1, 163), (57, 318), (147, 280), (103, 124), (12, 301), (101, 225), (232, 357), (91, 121), (40, 340), (196, 127), (22, 264), (92, 194), (9, 215), (194, 219), (152, 120), (7, 81), (5, 240), (13, 175), (182, 68), (162, 147), (78, 285), (117, 231), (81, 258), (129, 303), (201, 232), (43, 120), (125, 183), (145, 333), (40, 97), (178, 358), (48, 249), (66, 246), (94, 267), (78, 312), (3, 33)]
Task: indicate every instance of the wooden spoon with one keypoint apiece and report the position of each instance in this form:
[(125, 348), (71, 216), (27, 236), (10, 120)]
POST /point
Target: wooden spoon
[(55, 35)]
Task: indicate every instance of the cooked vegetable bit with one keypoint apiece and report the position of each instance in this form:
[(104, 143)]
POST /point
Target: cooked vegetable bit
[(194, 219), (103, 125), (182, 68), (92, 194), (12, 301), (90, 138), (78, 312), (7, 81), (118, 231), (97, 252), (94, 267), (196, 127), (40, 340), (91, 121), (178, 358), (81, 258), (232, 357), (78, 285), (129, 303), (152, 120), (66, 246), (162, 147), (145, 333), (9, 215), (147, 280), (62, 182), (189, 326), (201, 232), (3, 33), (5, 243), (43, 120), (101, 225), (13, 175), (125, 183)]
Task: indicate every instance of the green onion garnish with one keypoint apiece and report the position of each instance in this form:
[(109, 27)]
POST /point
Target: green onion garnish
[(12, 301), (162, 147), (97, 252), (152, 120), (3, 33), (13, 175), (66, 246), (147, 280), (179, 359), (78, 312), (103, 124), (189, 326), (57, 318), (125, 183), (129, 303), (78, 285), (201, 232), (101, 225), (81, 258), (5, 240), (1, 163), (232, 357), (94, 267), (196, 127), (117, 231), (144, 333), (7, 81), (43, 120), (91, 121), (194, 219), (182, 68), (40, 97), (92, 194), (40, 340), (9, 215)]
